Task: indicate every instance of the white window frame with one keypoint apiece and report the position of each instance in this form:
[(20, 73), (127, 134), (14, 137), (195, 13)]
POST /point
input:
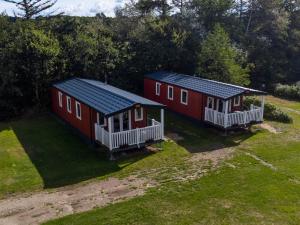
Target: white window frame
[(69, 106), (187, 97), (98, 120), (239, 101), (60, 99), (212, 100), (78, 106), (157, 88), (170, 88), (136, 114)]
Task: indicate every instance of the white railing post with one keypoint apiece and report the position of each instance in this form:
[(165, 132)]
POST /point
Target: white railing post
[(245, 117), (102, 135), (226, 115), (162, 121), (129, 119), (138, 136), (110, 132), (262, 107), (96, 132), (121, 121)]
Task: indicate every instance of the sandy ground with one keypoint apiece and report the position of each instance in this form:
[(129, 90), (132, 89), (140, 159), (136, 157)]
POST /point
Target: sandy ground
[(43, 206), (269, 128)]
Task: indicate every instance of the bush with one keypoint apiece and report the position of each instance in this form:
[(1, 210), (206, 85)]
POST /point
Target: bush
[(271, 111), (287, 91)]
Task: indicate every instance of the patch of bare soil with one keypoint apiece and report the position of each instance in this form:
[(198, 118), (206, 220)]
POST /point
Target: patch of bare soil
[(268, 127), (174, 136), (215, 157), (44, 206)]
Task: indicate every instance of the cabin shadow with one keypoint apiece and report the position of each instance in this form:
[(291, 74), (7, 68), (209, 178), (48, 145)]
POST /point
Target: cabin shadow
[(61, 157), (198, 137)]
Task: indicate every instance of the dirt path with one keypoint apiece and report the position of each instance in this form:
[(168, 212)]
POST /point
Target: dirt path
[(44, 206)]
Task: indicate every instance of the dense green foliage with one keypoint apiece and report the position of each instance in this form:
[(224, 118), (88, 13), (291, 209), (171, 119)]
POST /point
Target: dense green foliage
[(271, 111), (232, 41), (287, 91)]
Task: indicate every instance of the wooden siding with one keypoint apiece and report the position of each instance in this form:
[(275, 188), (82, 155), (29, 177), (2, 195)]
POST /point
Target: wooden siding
[(193, 109), (196, 101), (86, 125), (83, 125)]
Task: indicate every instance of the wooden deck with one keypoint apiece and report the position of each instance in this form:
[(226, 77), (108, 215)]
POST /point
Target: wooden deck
[(239, 118), (130, 138)]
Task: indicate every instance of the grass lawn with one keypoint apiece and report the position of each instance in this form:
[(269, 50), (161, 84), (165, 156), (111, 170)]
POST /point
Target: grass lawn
[(41, 153), (247, 192)]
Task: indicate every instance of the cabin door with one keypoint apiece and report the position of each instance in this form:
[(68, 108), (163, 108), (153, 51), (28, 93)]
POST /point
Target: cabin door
[(220, 106)]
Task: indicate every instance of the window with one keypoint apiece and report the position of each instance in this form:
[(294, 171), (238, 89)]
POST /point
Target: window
[(60, 99), (210, 102), (170, 92), (237, 101), (157, 89), (101, 119), (138, 112), (78, 110), (184, 97), (69, 108)]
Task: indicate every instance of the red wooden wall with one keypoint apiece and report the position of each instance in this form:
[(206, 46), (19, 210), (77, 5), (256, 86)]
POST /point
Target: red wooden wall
[(194, 108), (196, 101), (88, 115), (84, 125)]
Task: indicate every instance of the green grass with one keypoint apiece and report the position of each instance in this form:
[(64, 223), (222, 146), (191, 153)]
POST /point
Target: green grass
[(250, 193), (41, 153)]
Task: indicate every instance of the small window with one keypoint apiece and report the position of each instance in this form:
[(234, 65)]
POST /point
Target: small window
[(60, 99), (170, 92), (138, 114), (184, 97), (237, 101), (78, 110), (210, 102), (69, 107), (157, 89), (101, 119)]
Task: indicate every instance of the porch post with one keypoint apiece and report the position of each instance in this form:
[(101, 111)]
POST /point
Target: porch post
[(129, 119), (162, 121), (110, 132), (262, 107), (121, 121), (226, 114)]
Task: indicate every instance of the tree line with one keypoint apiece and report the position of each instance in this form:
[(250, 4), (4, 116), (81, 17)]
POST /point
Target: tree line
[(246, 42)]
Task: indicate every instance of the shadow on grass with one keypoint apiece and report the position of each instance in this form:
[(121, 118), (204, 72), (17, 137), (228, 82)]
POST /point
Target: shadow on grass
[(59, 155), (199, 137)]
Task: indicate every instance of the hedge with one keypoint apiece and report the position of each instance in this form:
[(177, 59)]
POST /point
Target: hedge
[(287, 91), (271, 111)]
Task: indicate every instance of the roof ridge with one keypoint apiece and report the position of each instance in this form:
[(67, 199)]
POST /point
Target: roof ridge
[(213, 81)]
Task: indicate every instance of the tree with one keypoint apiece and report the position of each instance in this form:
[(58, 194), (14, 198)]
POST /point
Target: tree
[(33, 8), (220, 60), (36, 53)]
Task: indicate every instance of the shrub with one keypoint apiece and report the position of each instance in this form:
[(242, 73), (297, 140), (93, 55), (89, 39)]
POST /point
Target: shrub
[(271, 111), (287, 91)]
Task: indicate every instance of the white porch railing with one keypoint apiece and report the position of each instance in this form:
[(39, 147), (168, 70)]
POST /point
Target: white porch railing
[(235, 118), (130, 137)]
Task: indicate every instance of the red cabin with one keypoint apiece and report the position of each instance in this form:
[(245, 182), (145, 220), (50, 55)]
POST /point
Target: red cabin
[(205, 100), (107, 115)]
